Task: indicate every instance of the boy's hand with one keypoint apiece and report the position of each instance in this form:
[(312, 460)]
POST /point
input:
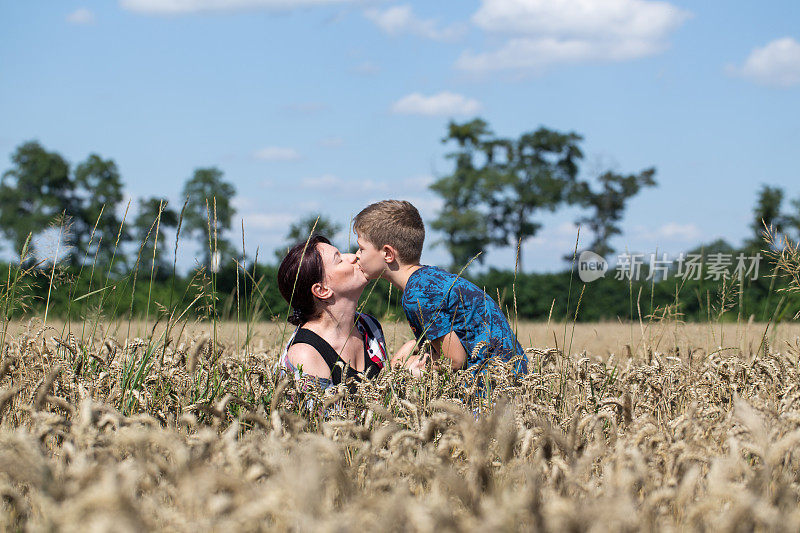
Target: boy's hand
[(403, 356), (417, 364), (406, 358)]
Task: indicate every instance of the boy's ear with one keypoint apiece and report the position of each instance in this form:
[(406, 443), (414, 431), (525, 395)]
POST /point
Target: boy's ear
[(321, 291), (389, 253)]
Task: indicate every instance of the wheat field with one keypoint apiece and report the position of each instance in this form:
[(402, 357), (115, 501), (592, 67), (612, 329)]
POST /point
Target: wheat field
[(618, 427)]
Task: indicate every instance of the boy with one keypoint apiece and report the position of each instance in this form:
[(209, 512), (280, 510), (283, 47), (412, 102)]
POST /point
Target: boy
[(451, 312)]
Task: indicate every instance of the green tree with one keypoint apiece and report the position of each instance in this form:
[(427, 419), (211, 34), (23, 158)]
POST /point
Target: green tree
[(209, 211), (33, 192), (717, 246), (531, 174), (792, 220), (101, 189), (462, 219), (767, 211), (300, 231), (499, 185), (607, 205), (321, 225), (148, 226)]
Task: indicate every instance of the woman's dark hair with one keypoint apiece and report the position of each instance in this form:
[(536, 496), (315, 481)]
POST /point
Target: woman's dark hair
[(299, 271)]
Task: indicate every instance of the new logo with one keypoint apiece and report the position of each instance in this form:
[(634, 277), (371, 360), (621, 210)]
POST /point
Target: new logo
[(591, 266)]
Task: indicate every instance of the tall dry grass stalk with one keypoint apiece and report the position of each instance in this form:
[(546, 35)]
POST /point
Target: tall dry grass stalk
[(648, 442)]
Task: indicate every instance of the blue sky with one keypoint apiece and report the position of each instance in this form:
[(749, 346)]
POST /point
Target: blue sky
[(326, 105)]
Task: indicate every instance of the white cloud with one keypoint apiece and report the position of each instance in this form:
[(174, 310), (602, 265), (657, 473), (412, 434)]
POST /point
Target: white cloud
[(266, 221), (441, 104), (332, 142), (329, 182), (418, 182), (567, 229), (369, 185), (306, 108), (534, 54), (277, 153), (366, 68), (309, 205), (777, 64), (679, 232), (671, 231), (242, 203), (399, 20), (326, 181), (81, 16), (546, 32), (175, 7), (620, 18)]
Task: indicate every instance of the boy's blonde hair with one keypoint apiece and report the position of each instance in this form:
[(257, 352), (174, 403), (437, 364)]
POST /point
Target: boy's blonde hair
[(395, 223)]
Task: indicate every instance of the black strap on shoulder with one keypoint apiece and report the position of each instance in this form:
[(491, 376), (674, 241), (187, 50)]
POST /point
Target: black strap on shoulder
[(306, 336)]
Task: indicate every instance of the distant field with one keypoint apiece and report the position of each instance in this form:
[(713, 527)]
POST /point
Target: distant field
[(598, 338)]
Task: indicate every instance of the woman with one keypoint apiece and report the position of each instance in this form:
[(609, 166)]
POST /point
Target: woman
[(333, 343)]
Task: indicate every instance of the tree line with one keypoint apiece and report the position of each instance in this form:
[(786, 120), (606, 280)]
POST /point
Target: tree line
[(493, 197), (499, 186), (84, 205)]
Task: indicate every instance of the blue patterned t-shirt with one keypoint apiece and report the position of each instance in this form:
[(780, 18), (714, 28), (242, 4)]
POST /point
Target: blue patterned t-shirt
[(437, 302)]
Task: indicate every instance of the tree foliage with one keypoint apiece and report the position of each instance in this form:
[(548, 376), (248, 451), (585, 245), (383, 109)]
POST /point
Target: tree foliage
[(153, 218), (38, 190), (316, 222), (462, 218), (607, 204), (527, 176), (303, 228), (100, 186), (768, 213), (209, 211), (33, 192), (500, 187)]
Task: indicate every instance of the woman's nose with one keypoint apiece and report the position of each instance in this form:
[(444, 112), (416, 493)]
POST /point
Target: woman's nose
[(350, 258)]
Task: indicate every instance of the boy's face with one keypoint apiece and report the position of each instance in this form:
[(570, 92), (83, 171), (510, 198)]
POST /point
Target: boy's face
[(370, 259)]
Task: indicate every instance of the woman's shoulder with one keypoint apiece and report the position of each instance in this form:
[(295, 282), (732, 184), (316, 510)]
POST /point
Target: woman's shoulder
[(305, 378), (307, 359)]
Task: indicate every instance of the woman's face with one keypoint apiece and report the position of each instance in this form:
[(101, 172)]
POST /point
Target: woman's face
[(342, 272)]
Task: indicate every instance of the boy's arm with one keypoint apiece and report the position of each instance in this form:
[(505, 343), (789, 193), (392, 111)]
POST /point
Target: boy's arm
[(403, 355), (450, 347), (430, 310)]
